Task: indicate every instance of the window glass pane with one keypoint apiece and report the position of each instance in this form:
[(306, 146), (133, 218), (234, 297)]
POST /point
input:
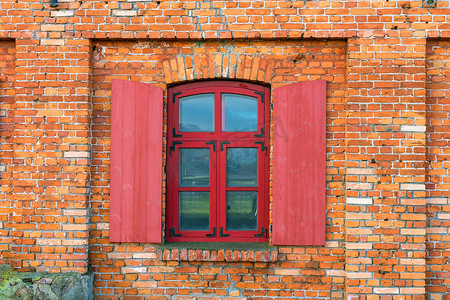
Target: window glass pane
[(194, 167), (242, 210), (239, 112), (194, 210), (197, 113), (242, 166)]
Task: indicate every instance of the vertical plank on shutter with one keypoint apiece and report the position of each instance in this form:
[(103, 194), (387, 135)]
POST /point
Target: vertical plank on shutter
[(299, 162), (136, 162)]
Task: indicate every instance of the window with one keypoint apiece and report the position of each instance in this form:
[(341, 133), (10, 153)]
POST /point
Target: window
[(217, 162), (298, 164)]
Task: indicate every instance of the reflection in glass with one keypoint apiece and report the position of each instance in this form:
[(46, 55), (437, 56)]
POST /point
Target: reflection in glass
[(197, 113), (193, 210), (239, 112), (242, 166), (242, 210), (194, 167)]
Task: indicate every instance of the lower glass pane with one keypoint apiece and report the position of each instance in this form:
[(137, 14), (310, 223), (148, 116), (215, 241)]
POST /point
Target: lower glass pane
[(193, 210), (242, 210)]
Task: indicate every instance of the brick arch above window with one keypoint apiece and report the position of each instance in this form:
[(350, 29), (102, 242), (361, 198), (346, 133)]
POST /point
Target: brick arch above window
[(216, 66)]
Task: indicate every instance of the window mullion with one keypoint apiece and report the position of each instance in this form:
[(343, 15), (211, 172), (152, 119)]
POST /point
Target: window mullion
[(214, 188), (217, 113), (221, 191)]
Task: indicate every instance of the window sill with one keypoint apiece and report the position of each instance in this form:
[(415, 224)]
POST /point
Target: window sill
[(230, 252)]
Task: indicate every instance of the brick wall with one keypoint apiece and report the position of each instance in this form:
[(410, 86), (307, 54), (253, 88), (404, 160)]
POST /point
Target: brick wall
[(52, 155), (7, 52), (387, 65), (316, 272), (437, 179)]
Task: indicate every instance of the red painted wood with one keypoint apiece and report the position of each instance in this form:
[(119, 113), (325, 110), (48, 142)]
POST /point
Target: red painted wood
[(136, 162), (260, 188), (218, 161), (299, 155), (173, 190)]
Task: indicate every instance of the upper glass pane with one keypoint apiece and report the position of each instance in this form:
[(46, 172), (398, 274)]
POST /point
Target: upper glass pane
[(239, 112), (194, 167), (197, 113), (242, 166)]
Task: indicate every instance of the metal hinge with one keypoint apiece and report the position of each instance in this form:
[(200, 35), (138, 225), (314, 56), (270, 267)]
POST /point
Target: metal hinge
[(262, 234), (172, 148), (263, 148), (174, 95), (223, 143), (212, 143), (174, 134), (172, 232), (261, 134), (213, 234), (221, 232), (262, 96)]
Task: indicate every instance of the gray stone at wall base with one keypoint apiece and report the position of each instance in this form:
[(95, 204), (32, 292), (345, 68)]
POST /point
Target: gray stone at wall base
[(44, 286), (72, 286), (44, 292)]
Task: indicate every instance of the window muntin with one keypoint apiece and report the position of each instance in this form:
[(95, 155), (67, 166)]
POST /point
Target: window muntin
[(217, 181)]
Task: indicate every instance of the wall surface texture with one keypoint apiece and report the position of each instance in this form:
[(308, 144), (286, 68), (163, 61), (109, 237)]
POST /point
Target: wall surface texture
[(387, 67)]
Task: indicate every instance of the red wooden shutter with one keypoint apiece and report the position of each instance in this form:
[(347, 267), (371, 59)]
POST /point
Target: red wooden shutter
[(136, 162), (299, 156)]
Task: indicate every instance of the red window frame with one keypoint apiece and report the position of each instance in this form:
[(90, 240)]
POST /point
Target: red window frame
[(218, 142)]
